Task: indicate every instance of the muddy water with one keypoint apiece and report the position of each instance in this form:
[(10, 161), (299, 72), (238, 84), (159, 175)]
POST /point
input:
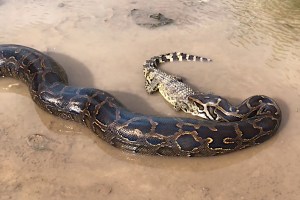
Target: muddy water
[(256, 50)]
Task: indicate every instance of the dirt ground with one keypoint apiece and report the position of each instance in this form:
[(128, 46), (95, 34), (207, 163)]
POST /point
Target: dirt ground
[(255, 49)]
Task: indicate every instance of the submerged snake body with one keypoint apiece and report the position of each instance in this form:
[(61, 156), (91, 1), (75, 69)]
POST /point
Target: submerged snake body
[(138, 133)]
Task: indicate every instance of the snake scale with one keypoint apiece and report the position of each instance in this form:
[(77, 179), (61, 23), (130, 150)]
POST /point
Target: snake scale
[(183, 97), (138, 133)]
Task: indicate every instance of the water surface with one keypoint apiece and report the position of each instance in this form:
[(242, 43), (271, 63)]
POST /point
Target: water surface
[(256, 50)]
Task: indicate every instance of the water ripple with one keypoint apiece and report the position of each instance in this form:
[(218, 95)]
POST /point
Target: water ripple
[(270, 22), (274, 23)]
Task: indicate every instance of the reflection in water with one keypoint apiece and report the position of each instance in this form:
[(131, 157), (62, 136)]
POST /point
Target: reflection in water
[(268, 21)]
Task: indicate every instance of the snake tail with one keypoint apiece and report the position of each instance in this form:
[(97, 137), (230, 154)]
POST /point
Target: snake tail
[(122, 128)]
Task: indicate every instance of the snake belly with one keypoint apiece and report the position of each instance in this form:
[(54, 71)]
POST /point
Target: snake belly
[(138, 133)]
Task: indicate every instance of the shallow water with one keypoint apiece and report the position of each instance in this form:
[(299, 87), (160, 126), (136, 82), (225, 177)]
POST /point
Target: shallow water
[(256, 50)]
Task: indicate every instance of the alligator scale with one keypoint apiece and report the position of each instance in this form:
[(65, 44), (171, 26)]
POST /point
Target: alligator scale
[(232, 128), (183, 97)]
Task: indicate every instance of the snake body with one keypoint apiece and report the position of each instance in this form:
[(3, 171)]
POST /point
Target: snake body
[(138, 133), (171, 87), (183, 97)]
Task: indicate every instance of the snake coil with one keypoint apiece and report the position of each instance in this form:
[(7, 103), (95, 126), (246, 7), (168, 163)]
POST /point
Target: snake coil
[(111, 121)]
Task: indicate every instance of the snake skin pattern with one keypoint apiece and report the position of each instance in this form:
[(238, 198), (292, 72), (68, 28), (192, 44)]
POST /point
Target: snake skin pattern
[(138, 133), (177, 93), (183, 97)]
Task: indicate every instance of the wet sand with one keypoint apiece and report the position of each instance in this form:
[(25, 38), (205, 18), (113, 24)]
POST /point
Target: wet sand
[(256, 50)]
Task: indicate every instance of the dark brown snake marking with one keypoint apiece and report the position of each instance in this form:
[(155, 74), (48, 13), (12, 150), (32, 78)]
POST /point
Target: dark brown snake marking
[(138, 133), (185, 98)]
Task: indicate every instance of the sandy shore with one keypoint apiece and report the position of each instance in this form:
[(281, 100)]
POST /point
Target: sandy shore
[(255, 48)]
